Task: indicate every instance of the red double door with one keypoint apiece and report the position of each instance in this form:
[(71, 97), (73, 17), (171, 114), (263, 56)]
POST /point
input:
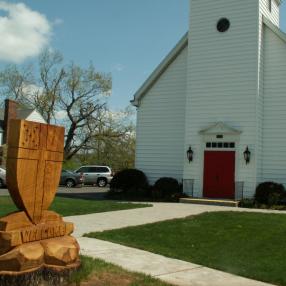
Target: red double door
[(219, 169)]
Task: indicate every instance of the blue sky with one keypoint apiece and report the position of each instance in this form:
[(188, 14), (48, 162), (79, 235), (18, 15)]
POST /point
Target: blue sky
[(128, 38)]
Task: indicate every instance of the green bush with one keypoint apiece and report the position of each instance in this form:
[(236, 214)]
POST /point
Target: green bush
[(167, 189), (129, 183), (247, 203), (270, 193)]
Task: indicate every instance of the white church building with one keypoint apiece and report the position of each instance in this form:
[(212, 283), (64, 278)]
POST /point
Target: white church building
[(213, 113)]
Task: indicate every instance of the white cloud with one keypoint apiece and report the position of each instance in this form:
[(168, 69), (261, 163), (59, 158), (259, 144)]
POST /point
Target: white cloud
[(23, 32), (58, 21), (31, 89), (118, 67), (61, 114), (126, 115)]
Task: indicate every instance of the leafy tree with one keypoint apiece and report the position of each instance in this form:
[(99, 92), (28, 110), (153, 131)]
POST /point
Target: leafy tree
[(114, 145), (116, 142)]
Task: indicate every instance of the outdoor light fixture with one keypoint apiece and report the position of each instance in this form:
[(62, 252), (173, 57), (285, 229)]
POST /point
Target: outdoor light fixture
[(190, 154), (246, 155)]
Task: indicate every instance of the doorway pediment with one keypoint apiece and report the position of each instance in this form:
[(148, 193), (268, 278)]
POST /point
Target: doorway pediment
[(220, 128)]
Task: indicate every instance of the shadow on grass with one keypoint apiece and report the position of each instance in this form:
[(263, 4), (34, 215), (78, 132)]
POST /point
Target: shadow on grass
[(98, 196)]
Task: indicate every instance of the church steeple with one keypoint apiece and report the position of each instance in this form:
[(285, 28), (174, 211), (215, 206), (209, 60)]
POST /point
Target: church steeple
[(224, 82), (271, 10)]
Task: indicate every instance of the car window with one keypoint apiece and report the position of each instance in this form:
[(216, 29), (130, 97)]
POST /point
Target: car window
[(83, 170), (102, 170), (66, 172), (92, 170)]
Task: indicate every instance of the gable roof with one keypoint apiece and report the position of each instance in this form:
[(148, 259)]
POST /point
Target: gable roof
[(274, 29), (160, 69), (21, 113), (2, 114), (24, 113), (219, 128), (174, 54)]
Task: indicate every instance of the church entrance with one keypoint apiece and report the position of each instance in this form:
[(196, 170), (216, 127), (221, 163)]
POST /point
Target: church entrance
[(219, 174)]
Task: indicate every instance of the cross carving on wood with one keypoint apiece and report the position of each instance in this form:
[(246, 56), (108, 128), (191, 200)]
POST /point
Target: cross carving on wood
[(34, 162)]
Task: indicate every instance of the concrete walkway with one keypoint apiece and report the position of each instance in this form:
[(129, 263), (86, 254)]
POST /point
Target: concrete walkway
[(170, 270), (173, 271)]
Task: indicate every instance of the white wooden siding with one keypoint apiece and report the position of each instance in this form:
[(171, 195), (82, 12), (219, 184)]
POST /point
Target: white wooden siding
[(273, 16), (36, 117), (236, 77), (222, 82), (274, 122), (160, 124)]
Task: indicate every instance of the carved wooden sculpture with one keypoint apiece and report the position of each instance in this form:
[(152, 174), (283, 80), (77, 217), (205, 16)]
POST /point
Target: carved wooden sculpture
[(34, 237)]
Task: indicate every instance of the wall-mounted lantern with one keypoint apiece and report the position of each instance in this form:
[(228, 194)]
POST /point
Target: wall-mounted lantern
[(247, 155), (190, 154)]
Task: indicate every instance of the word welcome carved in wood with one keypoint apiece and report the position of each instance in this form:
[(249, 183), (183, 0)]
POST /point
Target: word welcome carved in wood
[(46, 231)]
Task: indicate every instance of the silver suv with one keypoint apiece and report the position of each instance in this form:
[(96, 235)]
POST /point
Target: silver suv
[(99, 175)]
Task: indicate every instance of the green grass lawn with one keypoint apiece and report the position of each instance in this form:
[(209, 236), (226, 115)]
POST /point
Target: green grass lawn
[(247, 244), (98, 272), (68, 207)]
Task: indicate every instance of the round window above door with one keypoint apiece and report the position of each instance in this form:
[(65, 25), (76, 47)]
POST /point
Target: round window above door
[(223, 25)]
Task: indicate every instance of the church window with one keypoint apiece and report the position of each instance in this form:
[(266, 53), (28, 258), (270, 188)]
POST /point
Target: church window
[(223, 25), (215, 145)]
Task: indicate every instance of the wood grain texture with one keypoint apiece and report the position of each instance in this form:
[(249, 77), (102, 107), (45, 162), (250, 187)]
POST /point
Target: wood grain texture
[(49, 253), (61, 251), (35, 237), (9, 240), (20, 220), (15, 221), (16, 229), (34, 162), (24, 257)]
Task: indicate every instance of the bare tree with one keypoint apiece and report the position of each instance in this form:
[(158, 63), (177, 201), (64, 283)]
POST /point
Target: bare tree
[(78, 94), (14, 83), (51, 81), (84, 106)]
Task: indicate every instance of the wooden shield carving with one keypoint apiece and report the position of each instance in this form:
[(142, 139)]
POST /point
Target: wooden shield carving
[(34, 162)]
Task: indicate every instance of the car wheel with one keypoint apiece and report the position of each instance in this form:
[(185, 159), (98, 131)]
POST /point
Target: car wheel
[(1, 184), (101, 182), (70, 183)]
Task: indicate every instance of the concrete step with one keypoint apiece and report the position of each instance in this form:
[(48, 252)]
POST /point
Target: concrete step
[(212, 202)]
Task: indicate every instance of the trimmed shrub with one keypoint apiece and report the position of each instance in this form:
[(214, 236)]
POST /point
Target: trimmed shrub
[(167, 189), (247, 203), (129, 182), (270, 193)]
